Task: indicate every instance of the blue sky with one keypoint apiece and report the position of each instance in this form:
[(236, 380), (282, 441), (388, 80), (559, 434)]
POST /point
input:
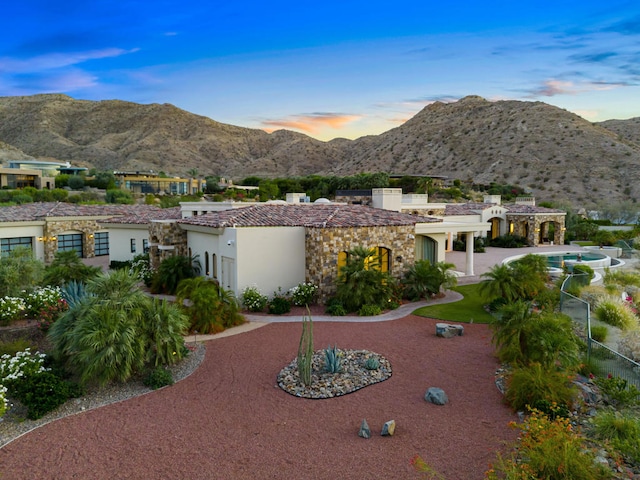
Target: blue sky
[(331, 69)]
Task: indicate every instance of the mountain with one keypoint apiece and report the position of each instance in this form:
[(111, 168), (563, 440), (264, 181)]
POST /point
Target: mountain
[(556, 154)]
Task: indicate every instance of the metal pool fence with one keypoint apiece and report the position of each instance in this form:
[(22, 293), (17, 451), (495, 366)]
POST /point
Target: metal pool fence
[(606, 360)]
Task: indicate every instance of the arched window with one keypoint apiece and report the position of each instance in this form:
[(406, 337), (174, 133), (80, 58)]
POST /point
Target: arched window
[(342, 260), (384, 259), (214, 261), (206, 264)]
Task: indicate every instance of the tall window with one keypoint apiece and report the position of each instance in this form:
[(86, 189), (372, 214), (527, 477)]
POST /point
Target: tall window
[(206, 264), (145, 245), (71, 241), (8, 244), (133, 245), (101, 240), (214, 261)]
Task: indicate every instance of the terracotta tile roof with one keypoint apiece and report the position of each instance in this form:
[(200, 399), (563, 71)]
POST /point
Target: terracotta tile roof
[(530, 209), (469, 208), (37, 211), (146, 216), (313, 215)]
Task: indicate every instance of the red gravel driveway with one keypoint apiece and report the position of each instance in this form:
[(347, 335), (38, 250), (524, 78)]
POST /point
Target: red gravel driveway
[(229, 420)]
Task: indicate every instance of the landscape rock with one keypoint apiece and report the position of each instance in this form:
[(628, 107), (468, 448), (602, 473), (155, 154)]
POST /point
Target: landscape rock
[(388, 428), (436, 396), (446, 330), (365, 431)]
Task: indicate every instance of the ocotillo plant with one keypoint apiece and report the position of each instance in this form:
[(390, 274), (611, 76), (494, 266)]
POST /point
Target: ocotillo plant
[(305, 349)]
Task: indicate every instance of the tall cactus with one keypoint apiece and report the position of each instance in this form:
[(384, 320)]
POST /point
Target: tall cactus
[(305, 349)]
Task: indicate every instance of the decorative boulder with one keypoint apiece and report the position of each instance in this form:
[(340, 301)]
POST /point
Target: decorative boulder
[(388, 428), (436, 396), (364, 431), (445, 330)]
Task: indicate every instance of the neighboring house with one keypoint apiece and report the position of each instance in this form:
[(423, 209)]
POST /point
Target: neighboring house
[(152, 183), (50, 227)]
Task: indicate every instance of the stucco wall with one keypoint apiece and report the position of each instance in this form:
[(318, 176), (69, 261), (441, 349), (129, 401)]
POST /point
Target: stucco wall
[(120, 241), (270, 257)]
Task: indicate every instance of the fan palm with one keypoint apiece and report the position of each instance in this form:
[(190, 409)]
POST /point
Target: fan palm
[(165, 326), (361, 282), (500, 282)]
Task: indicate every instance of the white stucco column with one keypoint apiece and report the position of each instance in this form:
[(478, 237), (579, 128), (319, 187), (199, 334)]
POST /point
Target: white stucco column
[(469, 256)]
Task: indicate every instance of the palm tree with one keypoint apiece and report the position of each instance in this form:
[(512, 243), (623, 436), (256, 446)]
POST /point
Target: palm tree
[(67, 267), (423, 279), (103, 334), (500, 282), (211, 308), (172, 270), (165, 326), (509, 331), (361, 282)]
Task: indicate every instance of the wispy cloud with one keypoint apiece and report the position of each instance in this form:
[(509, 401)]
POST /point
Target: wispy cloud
[(312, 122), (57, 60), (553, 87), (593, 57), (629, 26)]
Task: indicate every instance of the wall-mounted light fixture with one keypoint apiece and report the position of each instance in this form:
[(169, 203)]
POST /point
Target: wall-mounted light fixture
[(47, 239), (91, 235)]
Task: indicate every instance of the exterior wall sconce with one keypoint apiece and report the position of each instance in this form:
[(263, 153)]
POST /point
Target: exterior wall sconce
[(47, 239), (91, 235)]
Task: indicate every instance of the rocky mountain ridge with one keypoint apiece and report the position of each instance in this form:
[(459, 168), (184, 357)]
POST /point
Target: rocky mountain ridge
[(556, 154)]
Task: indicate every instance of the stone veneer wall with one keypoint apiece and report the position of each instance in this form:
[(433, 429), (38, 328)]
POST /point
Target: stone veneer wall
[(168, 234), (354, 199), (51, 229), (322, 246), (424, 212), (538, 222)]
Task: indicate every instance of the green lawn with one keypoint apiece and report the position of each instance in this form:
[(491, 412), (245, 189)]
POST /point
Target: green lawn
[(469, 309)]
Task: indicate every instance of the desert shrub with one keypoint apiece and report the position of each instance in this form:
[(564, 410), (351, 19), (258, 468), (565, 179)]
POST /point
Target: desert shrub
[(336, 309), (533, 384), (369, 310), (75, 182), (15, 346), (158, 377), (279, 304), (623, 278), (620, 430), (593, 294), (584, 271), (253, 300), (550, 449), (599, 333), (617, 390), (164, 327), (629, 345), (508, 241), (617, 313), (19, 271), (119, 196), (41, 299), (42, 393), (303, 294)]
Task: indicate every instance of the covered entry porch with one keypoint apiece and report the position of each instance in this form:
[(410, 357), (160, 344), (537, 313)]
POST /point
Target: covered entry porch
[(432, 239)]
